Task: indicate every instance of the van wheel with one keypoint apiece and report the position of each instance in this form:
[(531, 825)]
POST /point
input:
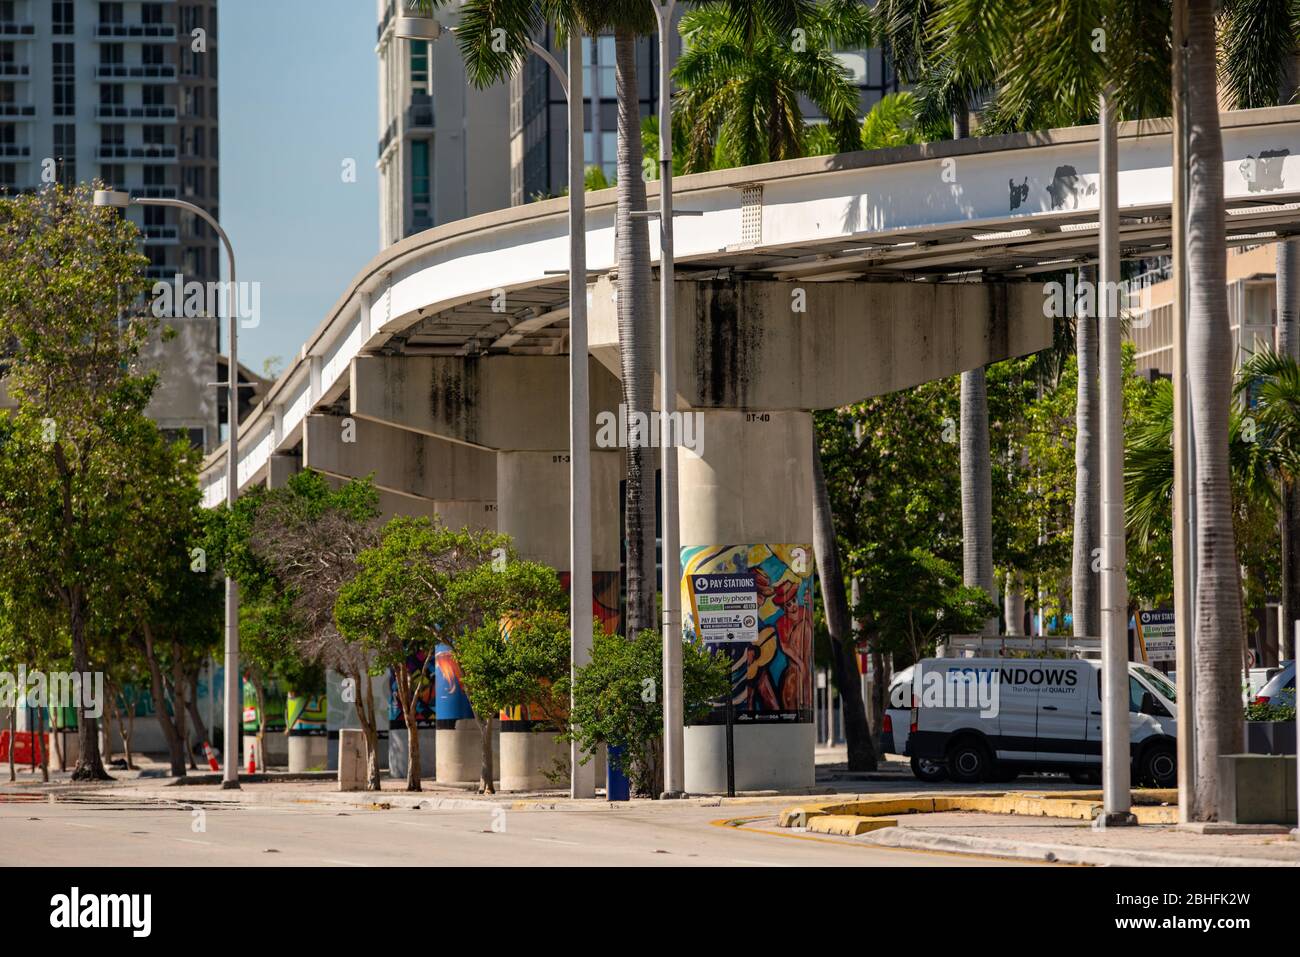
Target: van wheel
[(969, 761), (929, 771), (1159, 766)]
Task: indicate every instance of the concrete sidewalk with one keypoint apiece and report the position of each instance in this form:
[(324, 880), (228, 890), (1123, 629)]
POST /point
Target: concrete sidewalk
[(1076, 842)]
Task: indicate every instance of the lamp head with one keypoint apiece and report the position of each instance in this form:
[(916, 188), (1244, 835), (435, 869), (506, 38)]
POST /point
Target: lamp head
[(418, 28), (112, 198)]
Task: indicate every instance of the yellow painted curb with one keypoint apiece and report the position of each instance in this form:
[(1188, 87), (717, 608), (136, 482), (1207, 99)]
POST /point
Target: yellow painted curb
[(848, 825), (1066, 805)]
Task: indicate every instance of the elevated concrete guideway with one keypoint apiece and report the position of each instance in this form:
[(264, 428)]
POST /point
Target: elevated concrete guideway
[(442, 370), (997, 208)]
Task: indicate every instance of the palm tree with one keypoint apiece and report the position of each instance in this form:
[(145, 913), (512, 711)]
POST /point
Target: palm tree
[(906, 29), (1086, 584), (857, 729), (1259, 68), (1219, 629), (494, 37), (740, 97)]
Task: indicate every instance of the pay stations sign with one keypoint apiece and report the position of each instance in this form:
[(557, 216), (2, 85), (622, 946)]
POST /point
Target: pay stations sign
[(726, 608)]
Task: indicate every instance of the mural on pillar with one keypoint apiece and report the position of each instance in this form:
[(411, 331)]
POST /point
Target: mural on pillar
[(754, 603), (604, 607), (273, 696), (452, 703), (305, 714), (604, 597), (421, 667)]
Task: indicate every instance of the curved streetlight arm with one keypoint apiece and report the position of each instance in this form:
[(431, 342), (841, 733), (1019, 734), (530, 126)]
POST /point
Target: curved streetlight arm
[(553, 63)]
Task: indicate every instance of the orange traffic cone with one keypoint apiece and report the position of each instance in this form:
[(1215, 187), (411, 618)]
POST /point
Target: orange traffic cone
[(211, 756), (252, 760)]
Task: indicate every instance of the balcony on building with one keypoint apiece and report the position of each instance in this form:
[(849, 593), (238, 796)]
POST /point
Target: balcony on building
[(153, 192), (15, 151), (419, 115), (135, 32), (17, 111), (12, 68), (387, 140), (118, 152), (138, 72), (17, 29), (161, 235), (117, 112)]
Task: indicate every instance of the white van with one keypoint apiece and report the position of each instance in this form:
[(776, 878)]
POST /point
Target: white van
[(988, 719)]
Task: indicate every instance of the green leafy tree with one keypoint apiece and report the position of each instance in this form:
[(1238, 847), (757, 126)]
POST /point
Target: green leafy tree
[(617, 701), (481, 600), (72, 318), (520, 662)]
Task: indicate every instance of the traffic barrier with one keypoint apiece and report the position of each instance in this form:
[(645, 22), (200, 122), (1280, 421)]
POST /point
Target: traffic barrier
[(24, 752)]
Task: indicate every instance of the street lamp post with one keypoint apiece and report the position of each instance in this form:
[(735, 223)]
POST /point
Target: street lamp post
[(674, 734), (582, 777), (121, 200), (1115, 731)]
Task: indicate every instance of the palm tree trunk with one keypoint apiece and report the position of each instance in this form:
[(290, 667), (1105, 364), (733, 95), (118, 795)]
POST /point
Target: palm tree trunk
[(857, 732), (1288, 343), (1086, 595), (636, 342), (1014, 604), (976, 466), (1219, 631), (977, 488)]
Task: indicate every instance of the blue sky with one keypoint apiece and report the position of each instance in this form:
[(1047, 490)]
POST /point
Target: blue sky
[(298, 96)]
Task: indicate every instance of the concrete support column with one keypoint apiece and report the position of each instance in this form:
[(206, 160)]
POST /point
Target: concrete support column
[(280, 467), (746, 524), (533, 508)]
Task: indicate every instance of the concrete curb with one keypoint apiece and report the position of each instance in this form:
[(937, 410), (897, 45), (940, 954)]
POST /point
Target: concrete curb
[(929, 840), (1067, 805)]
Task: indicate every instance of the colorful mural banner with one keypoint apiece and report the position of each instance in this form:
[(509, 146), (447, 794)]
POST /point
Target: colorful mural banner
[(421, 667), (305, 714), (452, 703), (754, 604)]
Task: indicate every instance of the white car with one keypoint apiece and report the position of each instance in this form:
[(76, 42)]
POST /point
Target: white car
[(990, 718), (1280, 688)]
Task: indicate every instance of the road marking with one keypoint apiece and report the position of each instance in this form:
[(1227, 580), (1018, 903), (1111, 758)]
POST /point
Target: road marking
[(89, 827), (556, 840), (187, 840), (330, 860)]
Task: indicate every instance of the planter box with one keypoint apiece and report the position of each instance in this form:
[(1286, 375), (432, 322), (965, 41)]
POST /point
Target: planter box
[(1257, 789), (1270, 737)]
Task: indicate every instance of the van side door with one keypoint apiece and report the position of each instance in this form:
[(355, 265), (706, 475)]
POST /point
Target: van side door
[(1063, 704)]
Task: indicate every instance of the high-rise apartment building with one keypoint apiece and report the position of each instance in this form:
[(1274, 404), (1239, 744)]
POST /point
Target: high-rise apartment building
[(449, 150), (125, 91), (443, 146)]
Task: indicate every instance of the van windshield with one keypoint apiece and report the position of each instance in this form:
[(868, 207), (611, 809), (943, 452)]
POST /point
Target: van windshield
[(1160, 682)]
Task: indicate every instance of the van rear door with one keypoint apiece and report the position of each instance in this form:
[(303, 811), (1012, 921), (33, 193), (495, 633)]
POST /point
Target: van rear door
[(1063, 699)]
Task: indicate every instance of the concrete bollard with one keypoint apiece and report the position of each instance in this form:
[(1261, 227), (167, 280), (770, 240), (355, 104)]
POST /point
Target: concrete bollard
[(352, 760)]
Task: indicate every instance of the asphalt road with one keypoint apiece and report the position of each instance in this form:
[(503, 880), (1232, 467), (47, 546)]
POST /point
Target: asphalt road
[(105, 832)]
